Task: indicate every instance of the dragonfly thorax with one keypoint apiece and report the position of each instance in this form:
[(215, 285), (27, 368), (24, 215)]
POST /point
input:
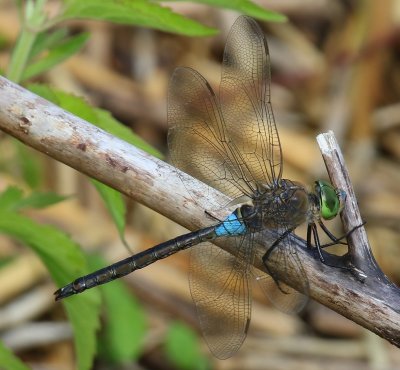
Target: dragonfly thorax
[(282, 205)]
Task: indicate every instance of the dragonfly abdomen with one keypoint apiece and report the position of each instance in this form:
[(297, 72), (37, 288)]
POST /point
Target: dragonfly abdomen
[(233, 225), (136, 262)]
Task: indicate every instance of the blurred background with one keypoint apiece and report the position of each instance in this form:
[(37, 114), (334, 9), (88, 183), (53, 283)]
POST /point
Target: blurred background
[(335, 66)]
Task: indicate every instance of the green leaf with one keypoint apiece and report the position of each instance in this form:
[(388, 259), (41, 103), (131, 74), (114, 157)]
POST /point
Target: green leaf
[(12, 199), (182, 348), (9, 361), (44, 91), (246, 7), (108, 123), (83, 312), (135, 12), (39, 200), (74, 104), (125, 325), (48, 40), (9, 197), (56, 56), (115, 205), (65, 262), (29, 164)]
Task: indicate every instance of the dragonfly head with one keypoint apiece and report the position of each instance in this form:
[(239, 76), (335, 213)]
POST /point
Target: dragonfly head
[(331, 200)]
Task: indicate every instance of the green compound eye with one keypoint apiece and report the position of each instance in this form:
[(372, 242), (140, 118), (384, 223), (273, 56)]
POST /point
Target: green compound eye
[(331, 200)]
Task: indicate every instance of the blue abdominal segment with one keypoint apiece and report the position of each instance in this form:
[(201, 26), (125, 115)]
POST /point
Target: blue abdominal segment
[(231, 226)]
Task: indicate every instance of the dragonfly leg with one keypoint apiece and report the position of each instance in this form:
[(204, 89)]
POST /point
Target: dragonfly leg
[(268, 254), (319, 247), (337, 240), (312, 229), (332, 237)]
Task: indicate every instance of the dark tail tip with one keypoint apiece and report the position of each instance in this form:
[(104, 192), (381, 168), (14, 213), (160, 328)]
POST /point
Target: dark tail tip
[(64, 292)]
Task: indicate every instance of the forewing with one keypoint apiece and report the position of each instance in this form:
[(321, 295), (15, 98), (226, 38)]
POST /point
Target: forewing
[(197, 139), (245, 102), (220, 288), (284, 297)]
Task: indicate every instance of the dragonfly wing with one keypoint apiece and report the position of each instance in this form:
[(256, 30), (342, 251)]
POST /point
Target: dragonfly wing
[(284, 297), (245, 102), (197, 138), (221, 291)]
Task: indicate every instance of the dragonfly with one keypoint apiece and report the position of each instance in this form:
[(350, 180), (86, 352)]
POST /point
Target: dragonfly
[(230, 141)]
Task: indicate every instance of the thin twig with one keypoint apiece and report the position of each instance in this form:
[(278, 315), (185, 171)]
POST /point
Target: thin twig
[(373, 303), (359, 252)]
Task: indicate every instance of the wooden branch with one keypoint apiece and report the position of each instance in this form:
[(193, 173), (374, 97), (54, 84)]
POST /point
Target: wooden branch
[(360, 254), (365, 268), (90, 150), (373, 303)]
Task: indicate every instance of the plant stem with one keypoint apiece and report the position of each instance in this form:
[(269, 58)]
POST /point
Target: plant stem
[(32, 22), (20, 54)]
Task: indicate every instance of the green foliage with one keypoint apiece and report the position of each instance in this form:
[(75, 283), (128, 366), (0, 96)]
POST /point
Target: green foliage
[(122, 337), (21, 161), (64, 260), (36, 38), (29, 165), (57, 54), (108, 123), (246, 7), (47, 40), (12, 199), (182, 348), (40, 200), (135, 12), (115, 204), (8, 361)]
